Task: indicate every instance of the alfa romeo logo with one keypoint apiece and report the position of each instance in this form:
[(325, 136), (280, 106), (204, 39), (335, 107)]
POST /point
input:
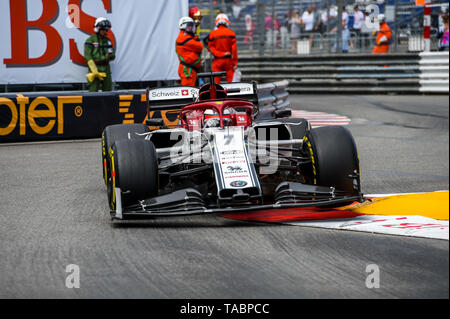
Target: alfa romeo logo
[(238, 184)]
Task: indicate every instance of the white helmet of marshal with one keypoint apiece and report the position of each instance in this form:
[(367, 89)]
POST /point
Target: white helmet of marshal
[(381, 17), (222, 19), (185, 22), (102, 24)]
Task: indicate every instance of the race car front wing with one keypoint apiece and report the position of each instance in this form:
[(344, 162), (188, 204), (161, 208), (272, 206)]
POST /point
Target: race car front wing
[(189, 201)]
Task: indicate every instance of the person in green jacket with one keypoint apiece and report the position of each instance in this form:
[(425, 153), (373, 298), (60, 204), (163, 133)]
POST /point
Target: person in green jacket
[(98, 52)]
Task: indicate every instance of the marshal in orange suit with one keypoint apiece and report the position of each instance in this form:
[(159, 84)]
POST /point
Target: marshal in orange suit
[(222, 44), (384, 36), (189, 50)]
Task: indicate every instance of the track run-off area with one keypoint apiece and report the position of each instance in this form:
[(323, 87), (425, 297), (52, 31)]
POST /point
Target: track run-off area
[(54, 213)]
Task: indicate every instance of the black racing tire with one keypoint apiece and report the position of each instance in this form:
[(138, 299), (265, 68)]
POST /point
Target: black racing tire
[(114, 133), (134, 169), (334, 156)]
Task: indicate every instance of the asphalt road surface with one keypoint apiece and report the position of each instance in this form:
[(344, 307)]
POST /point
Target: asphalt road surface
[(54, 213)]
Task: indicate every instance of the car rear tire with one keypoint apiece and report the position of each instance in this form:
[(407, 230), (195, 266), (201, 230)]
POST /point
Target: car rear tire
[(134, 169), (114, 133), (334, 156)]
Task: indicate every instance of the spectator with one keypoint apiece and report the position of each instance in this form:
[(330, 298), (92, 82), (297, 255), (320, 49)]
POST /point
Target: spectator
[(269, 30), (443, 34), (358, 21), (316, 17), (324, 19), (284, 31), (250, 30), (347, 42), (344, 15), (308, 21), (276, 31), (228, 4), (236, 10), (367, 28), (295, 29)]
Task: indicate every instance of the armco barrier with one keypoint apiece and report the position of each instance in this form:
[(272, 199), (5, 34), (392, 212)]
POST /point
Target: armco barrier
[(272, 97), (43, 116), (344, 73), (434, 69)]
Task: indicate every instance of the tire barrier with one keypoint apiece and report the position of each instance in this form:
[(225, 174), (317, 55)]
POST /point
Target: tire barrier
[(352, 73), (45, 116)]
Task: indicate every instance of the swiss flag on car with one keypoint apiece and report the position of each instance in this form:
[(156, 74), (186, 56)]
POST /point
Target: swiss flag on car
[(184, 92)]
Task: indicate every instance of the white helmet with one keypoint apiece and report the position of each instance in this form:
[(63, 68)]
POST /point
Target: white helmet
[(222, 19), (381, 17), (101, 23), (184, 22)]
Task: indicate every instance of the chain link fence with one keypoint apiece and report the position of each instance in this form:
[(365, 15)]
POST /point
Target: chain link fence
[(267, 27)]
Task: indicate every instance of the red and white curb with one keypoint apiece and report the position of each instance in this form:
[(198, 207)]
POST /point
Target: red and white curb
[(415, 214), (416, 226), (318, 119)]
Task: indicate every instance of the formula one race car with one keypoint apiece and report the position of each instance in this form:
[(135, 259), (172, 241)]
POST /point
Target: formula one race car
[(222, 158)]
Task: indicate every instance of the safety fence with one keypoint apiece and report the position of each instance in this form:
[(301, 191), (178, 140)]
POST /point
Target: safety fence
[(252, 20), (350, 73), (278, 43), (44, 116)]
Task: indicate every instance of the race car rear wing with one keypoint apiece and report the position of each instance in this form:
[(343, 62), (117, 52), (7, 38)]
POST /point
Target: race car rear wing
[(170, 98)]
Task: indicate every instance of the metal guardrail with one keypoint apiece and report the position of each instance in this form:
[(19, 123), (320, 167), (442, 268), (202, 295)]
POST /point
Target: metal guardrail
[(273, 93), (344, 73), (434, 76), (271, 97)]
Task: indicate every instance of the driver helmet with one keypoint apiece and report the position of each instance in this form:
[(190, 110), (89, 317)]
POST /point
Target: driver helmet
[(102, 24), (187, 24), (211, 118), (227, 121)]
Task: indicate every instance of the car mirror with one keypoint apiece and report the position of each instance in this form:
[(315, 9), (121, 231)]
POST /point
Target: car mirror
[(283, 113), (155, 122)]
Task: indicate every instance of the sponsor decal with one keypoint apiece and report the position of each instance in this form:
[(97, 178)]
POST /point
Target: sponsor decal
[(170, 117), (172, 93), (234, 162), (21, 24), (232, 152), (244, 87), (78, 111), (40, 114), (238, 184)]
